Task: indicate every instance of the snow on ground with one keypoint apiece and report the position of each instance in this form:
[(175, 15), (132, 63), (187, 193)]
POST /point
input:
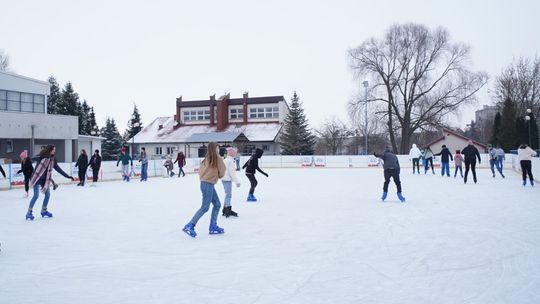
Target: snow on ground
[(317, 236)]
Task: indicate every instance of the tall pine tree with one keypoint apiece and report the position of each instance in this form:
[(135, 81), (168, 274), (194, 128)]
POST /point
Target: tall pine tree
[(94, 130), (135, 124), (496, 130), (84, 119), (297, 139), (508, 134), (70, 101), (111, 146), (55, 98)]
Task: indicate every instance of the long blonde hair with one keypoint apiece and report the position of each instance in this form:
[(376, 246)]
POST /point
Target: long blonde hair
[(211, 157)]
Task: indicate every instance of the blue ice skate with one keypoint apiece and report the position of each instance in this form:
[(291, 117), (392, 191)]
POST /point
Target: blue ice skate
[(215, 229), (401, 198), (251, 198), (189, 229), (45, 213), (524, 183), (29, 216), (383, 197)]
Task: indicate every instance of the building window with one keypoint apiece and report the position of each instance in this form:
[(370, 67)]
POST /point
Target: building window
[(3, 100), (21, 102), (266, 112), (236, 114), (265, 147), (197, 115), (158, 151), (170, 150), (9, 146)]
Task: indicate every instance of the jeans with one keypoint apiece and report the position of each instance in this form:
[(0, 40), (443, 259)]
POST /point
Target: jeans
[(393, 173), (252, 181), (237, 164), (27, 183), (181, 171), (500, 161), (144, 172), (495, 163), (460, 171), (209, 195), (416, 163), (445, 167), (227, 186), (36, 195), (427, 165)]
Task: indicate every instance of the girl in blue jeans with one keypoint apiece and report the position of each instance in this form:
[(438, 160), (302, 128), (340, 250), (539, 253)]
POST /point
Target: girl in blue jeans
[(211, 169)]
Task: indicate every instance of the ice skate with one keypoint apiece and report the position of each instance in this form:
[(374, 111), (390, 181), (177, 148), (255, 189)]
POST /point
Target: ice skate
[(29, 216), (383, 197), (189, 229), (401, 198), (215, 229), (45, 213)]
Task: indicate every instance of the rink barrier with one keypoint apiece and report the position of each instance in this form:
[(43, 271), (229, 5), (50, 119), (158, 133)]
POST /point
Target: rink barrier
[(109, 171)]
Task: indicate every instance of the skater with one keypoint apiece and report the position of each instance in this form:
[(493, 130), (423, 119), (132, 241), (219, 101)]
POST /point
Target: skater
[(95, 164), (54, 184), (41, 177), (82, 164), (126, 160), (525, 155), (27, 169), (144, 165), (181, 159), (494, 161), (415, 154), (391, 169), (227, 180), (237, 161), (500, 158), (458, 159), (428, 157), (212, 168), (251, 165), (169, 166), (445, 162), (470, 153)]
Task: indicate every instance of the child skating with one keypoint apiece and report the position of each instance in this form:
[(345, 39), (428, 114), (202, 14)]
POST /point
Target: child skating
[(228, 179), (169, 166), (125, 159), (391, 170), (251, 165), (27, 169), (458, 161), (211, 169)]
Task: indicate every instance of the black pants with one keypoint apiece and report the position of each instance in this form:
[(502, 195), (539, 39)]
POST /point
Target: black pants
[(526, 169), (82, 176), (181, 171), (95, 174), (26, 183), (416, 162), (470, 165), (460, 171), (252, 181), (393, 173), (428, 162)]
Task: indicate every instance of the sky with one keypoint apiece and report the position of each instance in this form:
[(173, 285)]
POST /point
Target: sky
[(120, 53)]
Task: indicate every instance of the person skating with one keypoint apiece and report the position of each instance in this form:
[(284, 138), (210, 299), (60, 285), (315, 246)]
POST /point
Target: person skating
[(415, 154), (500, 159), (82, 164), (181, 159), (237, 161), (470, 153), (251, 165), (458, 160), (41, 177), (211, 169), (446, 156), (428, 157), (27, 169), (95, 164), (494, 162), (391, 170), (169, 166), (525, 155), (144, 165), (228, 179), (126, 160)]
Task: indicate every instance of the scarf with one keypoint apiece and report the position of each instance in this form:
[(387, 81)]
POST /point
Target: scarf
[(45, 165)]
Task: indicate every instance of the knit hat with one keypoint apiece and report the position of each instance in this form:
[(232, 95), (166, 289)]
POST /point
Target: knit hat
[(123, 149), (231, 151), (24, 154)]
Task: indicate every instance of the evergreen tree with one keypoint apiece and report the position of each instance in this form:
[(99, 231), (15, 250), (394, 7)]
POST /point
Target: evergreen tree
[(522, 135), (94, 130), (472, 131), (496, 130), (69, 104), (297, 139), (84, 119), (113, 142), (55, 98), (508, 135), (135, 124)]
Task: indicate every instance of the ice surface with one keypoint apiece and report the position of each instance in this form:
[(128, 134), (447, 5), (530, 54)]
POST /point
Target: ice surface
[(318, 236)]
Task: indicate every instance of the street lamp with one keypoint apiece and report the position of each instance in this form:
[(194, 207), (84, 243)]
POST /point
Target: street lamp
[(366, 84), (133, 125), (528, 119)]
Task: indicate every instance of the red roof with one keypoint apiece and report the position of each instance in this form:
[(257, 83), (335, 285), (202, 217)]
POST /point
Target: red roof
[(457, 135)]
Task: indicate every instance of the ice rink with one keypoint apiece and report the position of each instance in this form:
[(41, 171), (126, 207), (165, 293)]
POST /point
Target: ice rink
[(316, 236)]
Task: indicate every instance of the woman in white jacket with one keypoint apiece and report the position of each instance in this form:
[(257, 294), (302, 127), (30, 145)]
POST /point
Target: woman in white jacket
[(415, 154), (227, 180), (525, 155)]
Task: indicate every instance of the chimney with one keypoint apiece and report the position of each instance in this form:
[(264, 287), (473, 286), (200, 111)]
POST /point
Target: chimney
[(223, 112), (177, 117), (213, 97), (160, 127), (246, 93)]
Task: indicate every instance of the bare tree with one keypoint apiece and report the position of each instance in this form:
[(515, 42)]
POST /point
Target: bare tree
[(520, 82), (4, 61), (420, 78), (332, 137)]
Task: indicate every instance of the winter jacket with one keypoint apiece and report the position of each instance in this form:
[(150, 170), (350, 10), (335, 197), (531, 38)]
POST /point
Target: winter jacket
[(526, 153), (26, 168), (211, 175), (492, 154), (458, 159), (43, 177), (95, 162), (470, 153), (181, 159), (230, 171), (415, 152), (445, 154), (125, 159), (2, 171), (428, 154), (82, 163), (143, 159), (500, 154), (390, 160), (253, 163)]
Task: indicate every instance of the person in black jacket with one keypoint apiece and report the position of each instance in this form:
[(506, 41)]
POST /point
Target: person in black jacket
[(446, 156), (391, 170), (251, 165), (470, 153), (27, 169), (95, 164), (82, 164)]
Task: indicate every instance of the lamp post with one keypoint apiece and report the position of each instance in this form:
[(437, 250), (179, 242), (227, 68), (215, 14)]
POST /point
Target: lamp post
[(366, 84), (528, 119), (133, 125)]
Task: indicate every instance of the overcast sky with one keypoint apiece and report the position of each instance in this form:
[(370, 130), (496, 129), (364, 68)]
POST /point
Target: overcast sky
[(117, 53)]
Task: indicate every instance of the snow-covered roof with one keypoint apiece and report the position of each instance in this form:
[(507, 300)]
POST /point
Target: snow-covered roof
[(215, 137), (169, 133)]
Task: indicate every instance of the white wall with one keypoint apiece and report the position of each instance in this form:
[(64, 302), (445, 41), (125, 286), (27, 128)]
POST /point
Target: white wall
[(14, 82), (46, 126)]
